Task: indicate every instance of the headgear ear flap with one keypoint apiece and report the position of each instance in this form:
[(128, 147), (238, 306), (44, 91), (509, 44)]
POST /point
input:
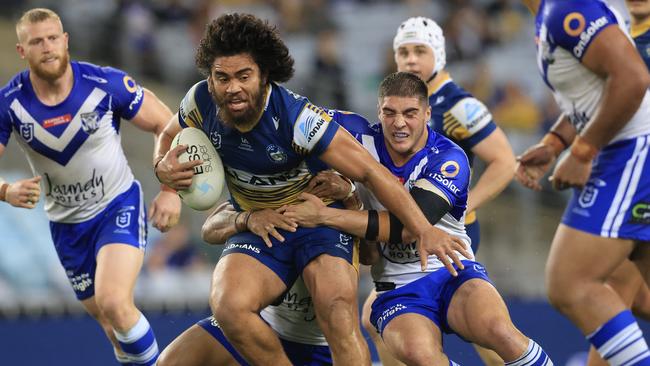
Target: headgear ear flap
[(424, 31)]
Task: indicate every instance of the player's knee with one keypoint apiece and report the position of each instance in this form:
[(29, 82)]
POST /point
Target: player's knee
[(116, 309), (502, 335), (339, 314), (415, 354), (561, 297)]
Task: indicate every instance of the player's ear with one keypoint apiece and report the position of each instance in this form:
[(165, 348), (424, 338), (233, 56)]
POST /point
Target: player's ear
[(21, 50)]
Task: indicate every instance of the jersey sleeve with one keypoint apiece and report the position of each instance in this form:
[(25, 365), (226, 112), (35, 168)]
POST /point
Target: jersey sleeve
[(127, 95), (468, 121), (352, 122), (5, 123), (450, 174), (190, 113), (313, 129), (573, 25)]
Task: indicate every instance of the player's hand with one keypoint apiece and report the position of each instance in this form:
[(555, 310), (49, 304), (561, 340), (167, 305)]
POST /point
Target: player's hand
[(24, 193), (533, 164), (266, 222), (329, 185), (173, 173), (434, 241), (165, 210), (305, 214), (570, 172)]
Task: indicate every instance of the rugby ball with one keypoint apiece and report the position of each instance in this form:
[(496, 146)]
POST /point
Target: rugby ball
[(208, 180)]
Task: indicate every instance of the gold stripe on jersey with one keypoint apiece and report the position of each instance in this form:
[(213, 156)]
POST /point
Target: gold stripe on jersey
[(638, 29), (355, 253), (437, 83), (194, 119), (453, 128), (470, 217)]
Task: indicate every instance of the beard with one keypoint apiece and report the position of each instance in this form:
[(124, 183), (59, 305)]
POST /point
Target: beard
[(246, 119), (51, 75)]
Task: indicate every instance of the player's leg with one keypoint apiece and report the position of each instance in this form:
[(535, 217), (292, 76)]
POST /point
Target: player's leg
[(93, 310), (576, 287), (332, 282), (415, 340), (201, 344), (118, 266), (478, 313), (627, 282), (384, 356), (241, 287), (489, 357)]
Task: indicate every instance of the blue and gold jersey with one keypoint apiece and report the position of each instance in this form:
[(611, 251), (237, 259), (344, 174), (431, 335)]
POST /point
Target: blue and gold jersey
[(641, 35), (457, 115), (270, 165)]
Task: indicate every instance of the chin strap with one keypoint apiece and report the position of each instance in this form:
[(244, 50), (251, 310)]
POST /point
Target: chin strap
[(431, 78)]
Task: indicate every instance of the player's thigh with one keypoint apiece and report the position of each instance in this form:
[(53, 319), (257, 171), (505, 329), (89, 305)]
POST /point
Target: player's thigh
[(118, 266), (412, 336), (329, 279), (478, 313), (365, 315), (242, 281), (195, 347), (626, 281), (574, 254)]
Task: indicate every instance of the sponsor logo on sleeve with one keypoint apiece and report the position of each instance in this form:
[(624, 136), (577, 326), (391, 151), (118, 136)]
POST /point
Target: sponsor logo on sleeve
[(310, 126), (472, 114), (574, 24), (585, 37), (130, 84), (450, 169), (138, 97)]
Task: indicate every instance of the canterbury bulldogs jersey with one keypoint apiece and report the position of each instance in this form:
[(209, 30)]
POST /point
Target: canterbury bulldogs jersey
[(294, 319), (270, 165), (75, 145), (441, 163), (641, 35), (565, 30)]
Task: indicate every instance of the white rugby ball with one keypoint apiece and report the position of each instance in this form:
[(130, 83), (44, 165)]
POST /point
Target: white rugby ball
[(208, 180)]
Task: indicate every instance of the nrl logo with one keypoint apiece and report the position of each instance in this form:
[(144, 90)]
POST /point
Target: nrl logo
[(27, 131), (90, 122)]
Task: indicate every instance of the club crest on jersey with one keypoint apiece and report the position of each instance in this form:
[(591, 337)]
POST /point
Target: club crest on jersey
[(90, 122), (276, 154), (215, 138), (589, 193), (27, 131), (123, 220)]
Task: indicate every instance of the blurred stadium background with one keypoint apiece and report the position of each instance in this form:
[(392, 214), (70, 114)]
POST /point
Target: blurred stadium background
[(342, 48)]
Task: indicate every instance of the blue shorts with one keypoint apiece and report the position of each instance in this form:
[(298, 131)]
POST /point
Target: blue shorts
[(298, 353), (290, 258), (473, 230), (124, 221), (615, 202), (429, 296)]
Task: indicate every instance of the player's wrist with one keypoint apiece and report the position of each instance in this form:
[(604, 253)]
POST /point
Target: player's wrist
[(583, 150), (555, 141), (241, 221), (166, 188), (4, 186), (155, 168)]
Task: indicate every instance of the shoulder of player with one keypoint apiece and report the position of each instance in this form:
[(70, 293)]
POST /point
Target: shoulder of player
[(442, 149), (14, 86), (569, 19), (352, 122)]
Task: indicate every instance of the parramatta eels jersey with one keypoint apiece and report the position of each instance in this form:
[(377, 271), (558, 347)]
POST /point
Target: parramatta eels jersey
[(270, 165), (441, 163), (565, 30), (641, 35), (294, 319), (75, 145), (459, 116)]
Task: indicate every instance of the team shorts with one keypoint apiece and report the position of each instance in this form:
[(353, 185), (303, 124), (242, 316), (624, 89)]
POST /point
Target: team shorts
[(289, 258), (298, 353), (615, 202), (123, 221), (428, 296)]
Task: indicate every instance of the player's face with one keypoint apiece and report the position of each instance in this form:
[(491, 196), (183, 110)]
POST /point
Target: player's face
[(237, 86), (403, 120), (417, 59), (45, 47), (638, 8)]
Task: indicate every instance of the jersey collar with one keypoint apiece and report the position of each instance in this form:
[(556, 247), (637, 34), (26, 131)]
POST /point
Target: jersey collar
[(638, 29), (438, 84)]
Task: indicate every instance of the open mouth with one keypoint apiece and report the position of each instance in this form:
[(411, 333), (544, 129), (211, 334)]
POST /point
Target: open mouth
[(237, 105), (400, 136)]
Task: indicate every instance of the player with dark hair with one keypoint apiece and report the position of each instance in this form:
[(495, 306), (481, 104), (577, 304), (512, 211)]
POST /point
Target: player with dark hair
[(419, 47), (414, 307), (272, 141), (601, 86), (67, 117)]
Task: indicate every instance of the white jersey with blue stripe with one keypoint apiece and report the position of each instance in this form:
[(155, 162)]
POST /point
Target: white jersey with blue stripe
[(565, 30), (443, 164), (270, 165), (74, 145)]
